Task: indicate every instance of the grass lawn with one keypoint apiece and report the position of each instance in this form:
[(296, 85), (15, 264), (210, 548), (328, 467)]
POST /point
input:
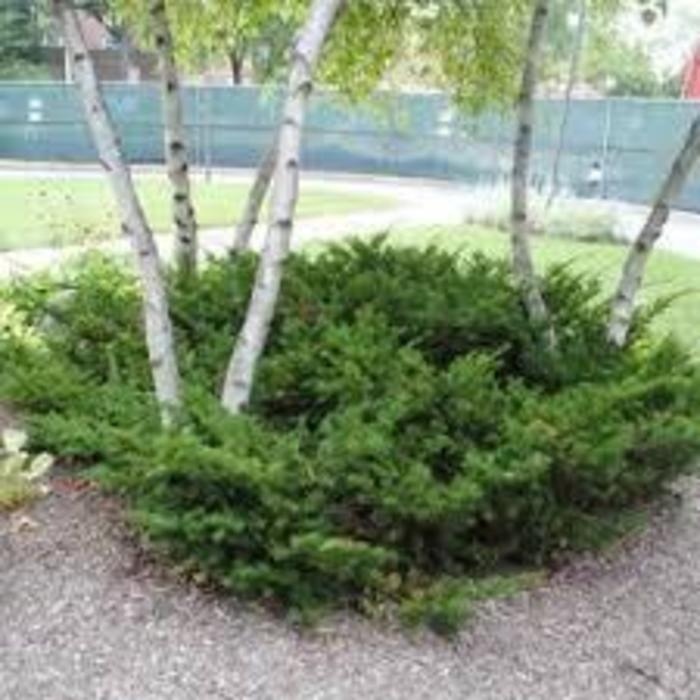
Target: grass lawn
[(46, 212), (667, 274)]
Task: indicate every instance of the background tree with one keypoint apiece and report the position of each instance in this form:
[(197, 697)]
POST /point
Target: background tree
[(470, 49), (106, 12), (21, 33), (243, 34), (357, 58), (619, 55), (618, 67), (572, 78)]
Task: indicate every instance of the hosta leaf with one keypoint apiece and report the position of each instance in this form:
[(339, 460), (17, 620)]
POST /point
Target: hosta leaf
[(12, 464), (14, 440), (39, 466)]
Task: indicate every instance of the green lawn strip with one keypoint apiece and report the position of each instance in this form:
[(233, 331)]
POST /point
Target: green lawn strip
[(668, 274), (45, 212)]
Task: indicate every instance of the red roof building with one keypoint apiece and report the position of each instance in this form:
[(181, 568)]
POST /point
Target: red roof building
[(691, 77)]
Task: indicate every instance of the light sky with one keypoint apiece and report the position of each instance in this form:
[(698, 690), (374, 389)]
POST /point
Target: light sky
[(672, 40)]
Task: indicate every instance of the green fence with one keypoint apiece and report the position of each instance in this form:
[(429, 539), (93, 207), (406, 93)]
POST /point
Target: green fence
[(413, 135)]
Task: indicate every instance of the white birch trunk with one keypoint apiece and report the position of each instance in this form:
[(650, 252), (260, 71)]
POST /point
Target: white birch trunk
[(256, 196), (253, 336), (622, 308), (523, 265), (159, 337), (175, 146), (576, 54)]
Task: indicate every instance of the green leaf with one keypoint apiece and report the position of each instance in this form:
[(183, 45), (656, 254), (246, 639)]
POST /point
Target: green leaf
[(14, 440)]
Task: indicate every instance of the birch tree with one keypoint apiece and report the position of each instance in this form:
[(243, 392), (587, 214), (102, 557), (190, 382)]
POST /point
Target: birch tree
[(175, 142), (576, 53), (252, 338), (256, 196), (523, 265), (623, 303), (354, 62), (159, 335)]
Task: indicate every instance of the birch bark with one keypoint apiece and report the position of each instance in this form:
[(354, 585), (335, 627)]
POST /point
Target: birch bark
[(523, 265), (251, 341), (159, 336), (175, 142), (622, 307), (256, 197)]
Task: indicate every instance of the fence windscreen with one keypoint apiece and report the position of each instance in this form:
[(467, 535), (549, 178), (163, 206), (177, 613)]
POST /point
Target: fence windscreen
[(632, 141)]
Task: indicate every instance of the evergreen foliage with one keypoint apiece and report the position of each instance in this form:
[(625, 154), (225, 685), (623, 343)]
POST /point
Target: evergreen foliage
[(408, 438)]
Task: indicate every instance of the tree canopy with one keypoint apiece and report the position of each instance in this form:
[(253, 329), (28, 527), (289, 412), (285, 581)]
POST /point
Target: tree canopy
[(21, 32)]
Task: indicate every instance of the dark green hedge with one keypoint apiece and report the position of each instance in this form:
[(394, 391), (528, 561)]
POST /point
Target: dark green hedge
[(407, 429)]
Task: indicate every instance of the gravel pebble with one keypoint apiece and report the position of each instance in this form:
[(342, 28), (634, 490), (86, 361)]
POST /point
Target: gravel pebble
[(85, 616)]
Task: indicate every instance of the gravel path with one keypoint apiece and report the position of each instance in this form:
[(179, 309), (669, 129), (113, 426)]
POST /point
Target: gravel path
[(83, 616)]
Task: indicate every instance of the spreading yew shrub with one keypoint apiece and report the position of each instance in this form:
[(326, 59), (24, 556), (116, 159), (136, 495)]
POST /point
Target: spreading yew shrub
[(409, 436)]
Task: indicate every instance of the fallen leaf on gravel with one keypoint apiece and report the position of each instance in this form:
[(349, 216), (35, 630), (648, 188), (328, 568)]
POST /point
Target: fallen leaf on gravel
[(23, 523), (70, 485)]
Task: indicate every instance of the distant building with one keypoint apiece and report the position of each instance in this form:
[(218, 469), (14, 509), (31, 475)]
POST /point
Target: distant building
[(113, 54), (691, 76)]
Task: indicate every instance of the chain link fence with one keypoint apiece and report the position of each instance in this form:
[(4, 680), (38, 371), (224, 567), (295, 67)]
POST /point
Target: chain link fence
[(412, 135)]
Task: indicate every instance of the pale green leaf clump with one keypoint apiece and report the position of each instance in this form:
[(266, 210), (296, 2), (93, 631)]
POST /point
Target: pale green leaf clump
[(20, 472), (14, 327)]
